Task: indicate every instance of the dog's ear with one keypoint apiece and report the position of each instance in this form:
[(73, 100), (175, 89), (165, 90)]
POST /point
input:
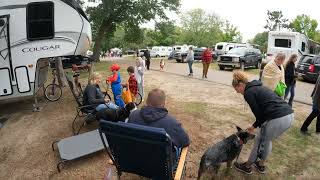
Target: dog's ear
[(238, 128)]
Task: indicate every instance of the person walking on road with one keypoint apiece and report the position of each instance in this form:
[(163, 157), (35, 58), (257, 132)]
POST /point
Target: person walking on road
[(273, 72), (290, 78), (315, 109), (206, 60), (190, 59), (148, 58)]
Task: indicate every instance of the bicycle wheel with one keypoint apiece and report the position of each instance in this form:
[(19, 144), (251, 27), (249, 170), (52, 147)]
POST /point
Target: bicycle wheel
[(53, 92), (138, 99)]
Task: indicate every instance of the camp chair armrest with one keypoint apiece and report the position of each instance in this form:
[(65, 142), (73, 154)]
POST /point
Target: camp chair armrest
[(182, 161)]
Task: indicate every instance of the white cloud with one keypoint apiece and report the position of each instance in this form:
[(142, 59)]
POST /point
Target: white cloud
[(250, 15)]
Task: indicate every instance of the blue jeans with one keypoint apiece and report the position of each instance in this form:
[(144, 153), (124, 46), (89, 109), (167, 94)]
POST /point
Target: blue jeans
[(190, 66), (109, 105), (290, 88)]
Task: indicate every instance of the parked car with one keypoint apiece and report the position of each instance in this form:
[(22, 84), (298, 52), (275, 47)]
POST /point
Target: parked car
[(180, 56), (308, 67), (198, 53), (240, 58), (141, 52)]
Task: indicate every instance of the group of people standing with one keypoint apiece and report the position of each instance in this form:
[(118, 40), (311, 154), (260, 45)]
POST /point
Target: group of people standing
[(206, 60), (277, 71)]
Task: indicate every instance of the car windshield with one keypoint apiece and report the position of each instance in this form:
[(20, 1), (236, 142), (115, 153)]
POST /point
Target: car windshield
[(237, 51), (307, 59)]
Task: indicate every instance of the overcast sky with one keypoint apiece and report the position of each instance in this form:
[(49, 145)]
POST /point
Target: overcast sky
[(250, 15)]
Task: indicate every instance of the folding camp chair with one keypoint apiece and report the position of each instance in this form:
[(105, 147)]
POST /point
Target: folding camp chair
[(82, 110), (142, 150), (78, 146)]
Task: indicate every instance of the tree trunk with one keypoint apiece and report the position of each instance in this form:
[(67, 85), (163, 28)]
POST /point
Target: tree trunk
[(103, 30), (60, 72)]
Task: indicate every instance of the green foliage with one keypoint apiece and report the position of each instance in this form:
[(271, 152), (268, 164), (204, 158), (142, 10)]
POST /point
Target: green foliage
[(276, 21), (111, 14), (261, 39), (305, 25), (202, 29)]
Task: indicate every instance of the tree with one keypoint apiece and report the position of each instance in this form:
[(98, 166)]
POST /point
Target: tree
[(261, 39), (201, 29), (305, 25), (231, 33), (276, 21), (108, 15)]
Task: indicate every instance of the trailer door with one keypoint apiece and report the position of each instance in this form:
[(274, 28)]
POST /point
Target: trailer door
[(6, 71)]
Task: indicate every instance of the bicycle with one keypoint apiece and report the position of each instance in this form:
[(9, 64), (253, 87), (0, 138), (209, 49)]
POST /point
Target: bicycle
[(137, 101), (53, 91)]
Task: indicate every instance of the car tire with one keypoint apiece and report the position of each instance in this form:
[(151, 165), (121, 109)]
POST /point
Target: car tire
[(183, 59), (221, 68), (242, 66)]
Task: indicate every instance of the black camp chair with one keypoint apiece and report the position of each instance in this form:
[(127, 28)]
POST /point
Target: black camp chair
[(84, 111), (142, 150)]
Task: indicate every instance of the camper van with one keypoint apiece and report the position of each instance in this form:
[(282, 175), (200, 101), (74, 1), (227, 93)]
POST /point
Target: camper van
[(289, 43), (223, 47), (159, 51), (31, 33)]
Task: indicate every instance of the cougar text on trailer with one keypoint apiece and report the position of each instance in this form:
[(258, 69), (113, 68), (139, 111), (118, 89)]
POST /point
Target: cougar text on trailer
[(32, 32)]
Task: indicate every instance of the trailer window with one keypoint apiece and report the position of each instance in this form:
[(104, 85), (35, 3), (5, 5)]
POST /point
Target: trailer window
[(40, 22), (285, 43), (303, 46), (219, 47)]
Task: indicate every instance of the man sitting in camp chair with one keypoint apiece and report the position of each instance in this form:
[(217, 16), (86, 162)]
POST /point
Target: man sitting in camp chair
[(156, 115)]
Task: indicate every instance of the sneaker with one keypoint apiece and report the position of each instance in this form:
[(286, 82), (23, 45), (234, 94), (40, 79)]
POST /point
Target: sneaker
[(242, 168), (260, 169)]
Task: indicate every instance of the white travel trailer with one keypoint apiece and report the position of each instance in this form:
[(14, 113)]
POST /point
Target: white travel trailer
[(32, 32), (223, 47), (160, 51), (289, 43)]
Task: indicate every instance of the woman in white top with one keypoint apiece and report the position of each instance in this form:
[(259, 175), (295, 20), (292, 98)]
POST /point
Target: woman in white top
[(139, 74), (273, 72)]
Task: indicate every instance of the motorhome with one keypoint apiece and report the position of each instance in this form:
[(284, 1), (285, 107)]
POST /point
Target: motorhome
[(223, 47), (160, 51), (290, 43), (31, 33)]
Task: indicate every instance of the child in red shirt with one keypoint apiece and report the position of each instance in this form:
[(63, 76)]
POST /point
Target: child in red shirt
[(132, 83)]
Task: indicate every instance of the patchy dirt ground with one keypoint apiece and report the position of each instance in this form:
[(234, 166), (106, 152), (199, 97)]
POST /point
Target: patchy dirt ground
[(209, 112)]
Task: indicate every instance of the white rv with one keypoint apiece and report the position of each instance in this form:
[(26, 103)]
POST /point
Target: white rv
[(223, 47), (289, 43), (32, 32), (160, 51)]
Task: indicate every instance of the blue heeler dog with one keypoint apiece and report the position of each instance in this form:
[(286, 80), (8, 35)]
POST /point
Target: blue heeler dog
[(224, 151)]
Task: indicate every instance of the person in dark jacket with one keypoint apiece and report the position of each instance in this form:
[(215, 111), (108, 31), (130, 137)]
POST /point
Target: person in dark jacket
[(156, 115), (273, 116), (92, 95), (290, 77), (148, 58), (315, 109)]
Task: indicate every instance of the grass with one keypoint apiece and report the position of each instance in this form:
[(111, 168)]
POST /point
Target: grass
[(293, 154)]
